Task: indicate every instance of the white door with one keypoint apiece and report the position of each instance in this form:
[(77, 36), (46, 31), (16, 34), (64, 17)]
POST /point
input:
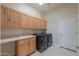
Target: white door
[(67, 33)]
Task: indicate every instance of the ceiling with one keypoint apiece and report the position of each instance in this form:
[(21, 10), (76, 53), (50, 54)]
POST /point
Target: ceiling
[(45, 7)]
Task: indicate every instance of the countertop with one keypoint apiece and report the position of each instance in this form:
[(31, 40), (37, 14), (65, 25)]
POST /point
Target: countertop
[(16, 38)]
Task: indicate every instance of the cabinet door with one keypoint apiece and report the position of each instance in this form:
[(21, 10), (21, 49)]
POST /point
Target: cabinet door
[(12, 18), (25, 47), (36, 23), (24, 21), (39, 24), (8, 18), (30, 22), (5, 17), (0, 17), (19, 48), (43, 24), (17, 18), (22, 48), (32, 45)]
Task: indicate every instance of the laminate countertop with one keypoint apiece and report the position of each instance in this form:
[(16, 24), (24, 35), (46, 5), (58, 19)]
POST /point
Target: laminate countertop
[(16, 39)]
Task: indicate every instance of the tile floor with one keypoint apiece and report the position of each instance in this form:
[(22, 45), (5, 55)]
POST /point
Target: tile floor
[(56, 51)]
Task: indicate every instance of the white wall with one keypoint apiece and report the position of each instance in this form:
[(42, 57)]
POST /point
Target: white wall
[(25, 8), (62, 12)]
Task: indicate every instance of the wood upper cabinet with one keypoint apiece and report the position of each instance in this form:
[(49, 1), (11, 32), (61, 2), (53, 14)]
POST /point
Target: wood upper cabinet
[(26, 46), (12, 18), (37, 23), (43, 24), (40, 24), (15, 19), (0, 17), (9, 18), (27, 21), (24, 21), (30, 22), (5, 17)]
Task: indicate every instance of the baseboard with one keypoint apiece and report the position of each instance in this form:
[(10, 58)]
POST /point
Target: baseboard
[(68, 49)]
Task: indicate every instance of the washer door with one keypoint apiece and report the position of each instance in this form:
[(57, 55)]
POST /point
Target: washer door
[(43, 43)]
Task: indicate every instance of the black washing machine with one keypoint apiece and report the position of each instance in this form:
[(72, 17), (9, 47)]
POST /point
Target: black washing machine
[(49, 40), (41, 42)]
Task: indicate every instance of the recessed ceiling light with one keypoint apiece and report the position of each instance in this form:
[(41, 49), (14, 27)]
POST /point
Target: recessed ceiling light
[(40, 3)]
